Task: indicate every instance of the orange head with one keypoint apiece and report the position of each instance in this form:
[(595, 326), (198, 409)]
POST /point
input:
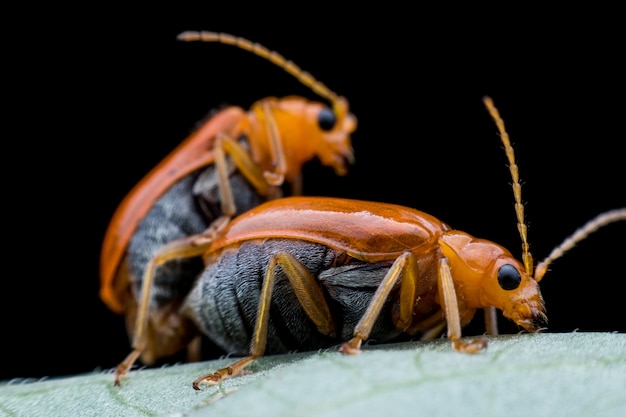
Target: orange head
[(487, 275), (332, 138), (304, 130)]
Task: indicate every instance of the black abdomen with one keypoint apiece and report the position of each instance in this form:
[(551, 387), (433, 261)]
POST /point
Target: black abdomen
[(186, 209), (225, 299)]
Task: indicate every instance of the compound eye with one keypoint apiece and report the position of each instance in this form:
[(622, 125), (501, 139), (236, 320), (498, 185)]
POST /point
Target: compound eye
[(509, 277), (326, 119)]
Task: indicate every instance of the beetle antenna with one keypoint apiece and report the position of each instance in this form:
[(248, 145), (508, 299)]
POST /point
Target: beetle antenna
[(517, 187), (591, 226), (258, 49)]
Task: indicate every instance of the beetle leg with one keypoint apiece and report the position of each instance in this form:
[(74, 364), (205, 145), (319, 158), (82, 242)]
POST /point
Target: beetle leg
[(404, 266), (278, 175), (243, 161), (226, 193), (434, 331), (451, 309), (309, 295), (491, 321), (181, 248), (296, 185)]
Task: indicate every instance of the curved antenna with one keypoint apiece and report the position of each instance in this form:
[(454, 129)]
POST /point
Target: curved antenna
[(591, 226), (517, 187), (258, 49)]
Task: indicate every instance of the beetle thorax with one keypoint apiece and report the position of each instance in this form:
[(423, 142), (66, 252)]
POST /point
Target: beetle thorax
[(487, 275), (292, 127), (472, 262)]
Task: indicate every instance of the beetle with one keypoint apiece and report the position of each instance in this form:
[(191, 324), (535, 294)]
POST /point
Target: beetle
[(303, 273), (196, 189)]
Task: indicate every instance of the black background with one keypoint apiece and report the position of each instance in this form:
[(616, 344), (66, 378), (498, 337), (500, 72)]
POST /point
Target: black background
[(103, 95)]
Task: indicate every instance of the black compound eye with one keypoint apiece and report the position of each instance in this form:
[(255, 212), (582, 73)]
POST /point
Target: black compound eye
[(509, 277), (326, 119)]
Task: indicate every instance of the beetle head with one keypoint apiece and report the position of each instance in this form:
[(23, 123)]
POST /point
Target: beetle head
[(487, 275), (334, 126), (509, 288), (304, 130)]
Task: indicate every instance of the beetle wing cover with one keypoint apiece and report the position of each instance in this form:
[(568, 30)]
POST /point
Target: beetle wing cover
[(365, 230), (193, 153)]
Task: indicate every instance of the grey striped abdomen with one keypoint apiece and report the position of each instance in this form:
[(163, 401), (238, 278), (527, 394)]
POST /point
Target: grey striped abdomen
[(225, 299)]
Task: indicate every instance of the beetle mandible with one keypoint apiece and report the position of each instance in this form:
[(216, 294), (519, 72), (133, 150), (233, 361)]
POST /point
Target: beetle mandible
[(311, 272), (196, 189)]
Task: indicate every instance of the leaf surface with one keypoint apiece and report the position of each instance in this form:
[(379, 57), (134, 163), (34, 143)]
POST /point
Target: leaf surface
[(573, 374)]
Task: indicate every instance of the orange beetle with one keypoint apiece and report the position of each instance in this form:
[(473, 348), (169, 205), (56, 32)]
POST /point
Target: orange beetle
[(267, 146), (302, 273)]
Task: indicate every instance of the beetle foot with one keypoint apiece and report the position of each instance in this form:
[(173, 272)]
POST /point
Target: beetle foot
[(470, 346), (351, 347), (209, 379), (212, 379), (122, 369), (274, 178), (213, 230), (235, 369), (120, 372)]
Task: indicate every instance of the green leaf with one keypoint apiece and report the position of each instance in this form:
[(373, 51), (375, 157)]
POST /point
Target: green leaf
[(574, 374)]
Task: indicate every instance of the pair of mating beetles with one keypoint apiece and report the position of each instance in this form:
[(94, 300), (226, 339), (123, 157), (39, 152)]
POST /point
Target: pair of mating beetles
[(206, 245)]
